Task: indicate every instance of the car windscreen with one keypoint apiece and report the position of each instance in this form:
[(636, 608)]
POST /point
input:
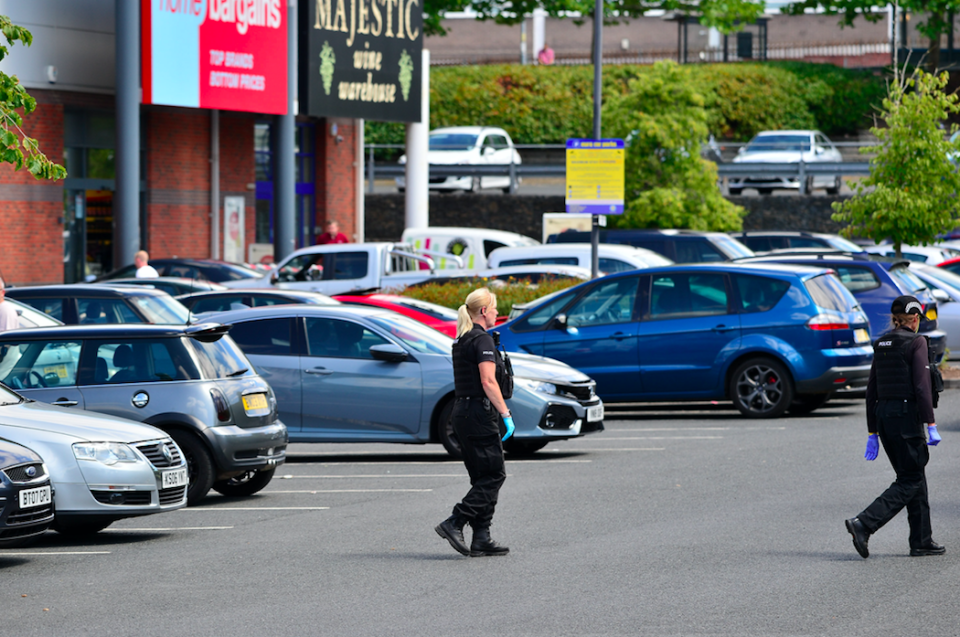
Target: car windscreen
[(830, 294), (232, 272), (778, 143), (8, 397), (162, 310), (452, 141), (415, 335), (909, 282), (731, 247), (221, 358), (945, 276), (844, 244)]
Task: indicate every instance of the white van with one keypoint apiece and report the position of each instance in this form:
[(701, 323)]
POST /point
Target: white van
[(612, 258), (473, 245)]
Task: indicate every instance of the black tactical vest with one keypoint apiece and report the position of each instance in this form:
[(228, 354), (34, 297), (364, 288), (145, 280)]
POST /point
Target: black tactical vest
[(893, 373), (466, 369)]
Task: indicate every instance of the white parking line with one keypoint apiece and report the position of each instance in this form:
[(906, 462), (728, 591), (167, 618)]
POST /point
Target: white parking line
[(630, 449), (662, 438), (314, 491), (26, 553), (216, 508), (373, 475), (165, 528)]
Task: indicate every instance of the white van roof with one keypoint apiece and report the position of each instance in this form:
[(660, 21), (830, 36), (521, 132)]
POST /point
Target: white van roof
[(641, 256), (503, 236)]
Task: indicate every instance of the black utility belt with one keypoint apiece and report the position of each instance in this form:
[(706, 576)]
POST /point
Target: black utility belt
[(476, 399)]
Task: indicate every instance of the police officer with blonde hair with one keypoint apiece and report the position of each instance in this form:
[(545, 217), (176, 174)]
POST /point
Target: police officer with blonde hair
[(479, 405), (900, 402)]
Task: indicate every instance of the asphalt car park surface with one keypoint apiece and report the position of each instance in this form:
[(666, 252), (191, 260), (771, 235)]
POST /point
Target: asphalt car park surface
[(676, 520)]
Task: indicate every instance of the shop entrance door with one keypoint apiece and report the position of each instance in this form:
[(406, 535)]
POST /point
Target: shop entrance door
[(87, 234)]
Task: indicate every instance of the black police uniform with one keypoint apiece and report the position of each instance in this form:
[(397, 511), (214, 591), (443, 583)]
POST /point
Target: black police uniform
[(899, 402), (477, 425)]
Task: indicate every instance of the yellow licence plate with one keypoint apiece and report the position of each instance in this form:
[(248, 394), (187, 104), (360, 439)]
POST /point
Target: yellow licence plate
[(255, 404), (861, 336), (932, 314)]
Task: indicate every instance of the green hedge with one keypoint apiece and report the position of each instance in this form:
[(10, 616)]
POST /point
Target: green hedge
[(548, 104)]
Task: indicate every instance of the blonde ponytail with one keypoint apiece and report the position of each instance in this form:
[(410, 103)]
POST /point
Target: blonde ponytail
[(475, 301)]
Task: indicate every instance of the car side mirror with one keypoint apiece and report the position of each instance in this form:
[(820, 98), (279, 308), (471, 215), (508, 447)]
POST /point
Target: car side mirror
[(389, 352), (274, 277), (559, 322), (489, 150), (941, 296)]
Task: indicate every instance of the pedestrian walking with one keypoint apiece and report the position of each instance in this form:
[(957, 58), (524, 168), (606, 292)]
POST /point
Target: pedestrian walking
[(480, 374), (900, 402), (144, 270)]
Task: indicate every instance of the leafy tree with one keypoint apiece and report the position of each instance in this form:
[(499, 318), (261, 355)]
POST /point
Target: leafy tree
[(15, 147), (668, 184), (911, 193), (933, 27)]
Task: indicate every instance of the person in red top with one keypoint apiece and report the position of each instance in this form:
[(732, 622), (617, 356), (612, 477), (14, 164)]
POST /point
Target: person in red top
[(332, 235)]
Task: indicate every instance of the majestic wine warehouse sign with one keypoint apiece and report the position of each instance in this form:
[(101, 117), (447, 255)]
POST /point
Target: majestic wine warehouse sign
[(361, 58)]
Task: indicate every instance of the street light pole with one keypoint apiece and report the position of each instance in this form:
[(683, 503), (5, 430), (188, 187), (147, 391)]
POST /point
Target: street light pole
[(597, 101)]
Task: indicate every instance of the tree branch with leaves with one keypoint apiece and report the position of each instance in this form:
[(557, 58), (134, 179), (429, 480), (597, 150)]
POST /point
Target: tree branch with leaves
[(16, 148)]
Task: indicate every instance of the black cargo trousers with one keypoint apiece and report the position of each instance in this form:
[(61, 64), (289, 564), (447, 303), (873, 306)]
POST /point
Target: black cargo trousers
[(901, 433), (477, 426)]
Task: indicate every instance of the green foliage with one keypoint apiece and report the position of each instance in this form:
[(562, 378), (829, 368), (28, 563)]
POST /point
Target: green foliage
[(548, 105), (452, 294), (668, 184), (15, 147), (911, 193)]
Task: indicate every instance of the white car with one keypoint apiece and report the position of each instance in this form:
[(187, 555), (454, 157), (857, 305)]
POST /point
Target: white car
[(472, 245), (611, 257), (473, 145), (945, 286), (787, 147), (931, 255)]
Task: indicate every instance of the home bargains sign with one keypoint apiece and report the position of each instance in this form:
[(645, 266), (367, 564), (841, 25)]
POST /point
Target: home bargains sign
[(361, 58), (226, 54)]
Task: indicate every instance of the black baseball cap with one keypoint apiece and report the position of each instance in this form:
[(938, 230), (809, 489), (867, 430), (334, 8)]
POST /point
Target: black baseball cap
[(908, 305)]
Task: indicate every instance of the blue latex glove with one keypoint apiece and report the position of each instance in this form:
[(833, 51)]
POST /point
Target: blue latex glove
[(508, 421), (934, 436), (873, 447)]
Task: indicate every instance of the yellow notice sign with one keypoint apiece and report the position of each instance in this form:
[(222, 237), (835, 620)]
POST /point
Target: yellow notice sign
[(595, 176)]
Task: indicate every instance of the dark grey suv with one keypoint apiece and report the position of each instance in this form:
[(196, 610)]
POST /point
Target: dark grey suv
[(192, 382)]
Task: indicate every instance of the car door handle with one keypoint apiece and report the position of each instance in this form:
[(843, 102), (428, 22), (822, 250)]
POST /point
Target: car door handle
[(723, 328), (619, 336), (319, 371), (63, 402)]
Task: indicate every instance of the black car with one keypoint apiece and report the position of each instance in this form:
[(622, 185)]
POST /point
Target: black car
[(26, 497), (681, 246), (226, 300), (85, 304), (172, 285), (204, 269), (767, 240)]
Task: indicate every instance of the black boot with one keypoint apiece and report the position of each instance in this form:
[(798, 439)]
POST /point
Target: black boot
[(483, 544), (451, 530)]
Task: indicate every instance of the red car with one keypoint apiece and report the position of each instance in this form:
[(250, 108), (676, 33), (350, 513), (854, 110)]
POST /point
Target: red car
[(440, 318), (953, 265)]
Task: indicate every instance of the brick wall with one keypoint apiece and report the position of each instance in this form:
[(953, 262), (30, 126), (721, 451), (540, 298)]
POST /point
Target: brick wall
[(31, 210), (336, 181), (237, 170)]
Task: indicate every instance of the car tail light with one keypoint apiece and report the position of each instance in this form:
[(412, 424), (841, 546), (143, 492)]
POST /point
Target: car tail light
[(826, 322), (223, 409)]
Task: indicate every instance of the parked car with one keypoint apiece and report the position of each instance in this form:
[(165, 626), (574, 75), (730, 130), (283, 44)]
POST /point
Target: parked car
[(30, 317), (357, 374), (945, 287), (953, 265), (679, 246), (440, 318), (787, 147), (26, 498), (190, 381), (98, 304), (931, 255), (531, 275), (226, 300), (172, 285), (875, 284), (767, 240), (202, 269), (611, 258), (472, 145), (472, 245), (102, 469), (770, 338)]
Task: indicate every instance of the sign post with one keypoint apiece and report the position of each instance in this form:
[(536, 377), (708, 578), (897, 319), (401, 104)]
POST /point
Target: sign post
[(595, 182)]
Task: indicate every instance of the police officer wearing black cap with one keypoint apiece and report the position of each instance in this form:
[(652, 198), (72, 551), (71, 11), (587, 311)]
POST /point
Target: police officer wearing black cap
[(899, 403), (478, 370)]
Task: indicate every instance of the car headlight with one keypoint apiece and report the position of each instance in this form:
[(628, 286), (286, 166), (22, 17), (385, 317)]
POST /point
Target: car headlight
[(108, 453), (533, 384)]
